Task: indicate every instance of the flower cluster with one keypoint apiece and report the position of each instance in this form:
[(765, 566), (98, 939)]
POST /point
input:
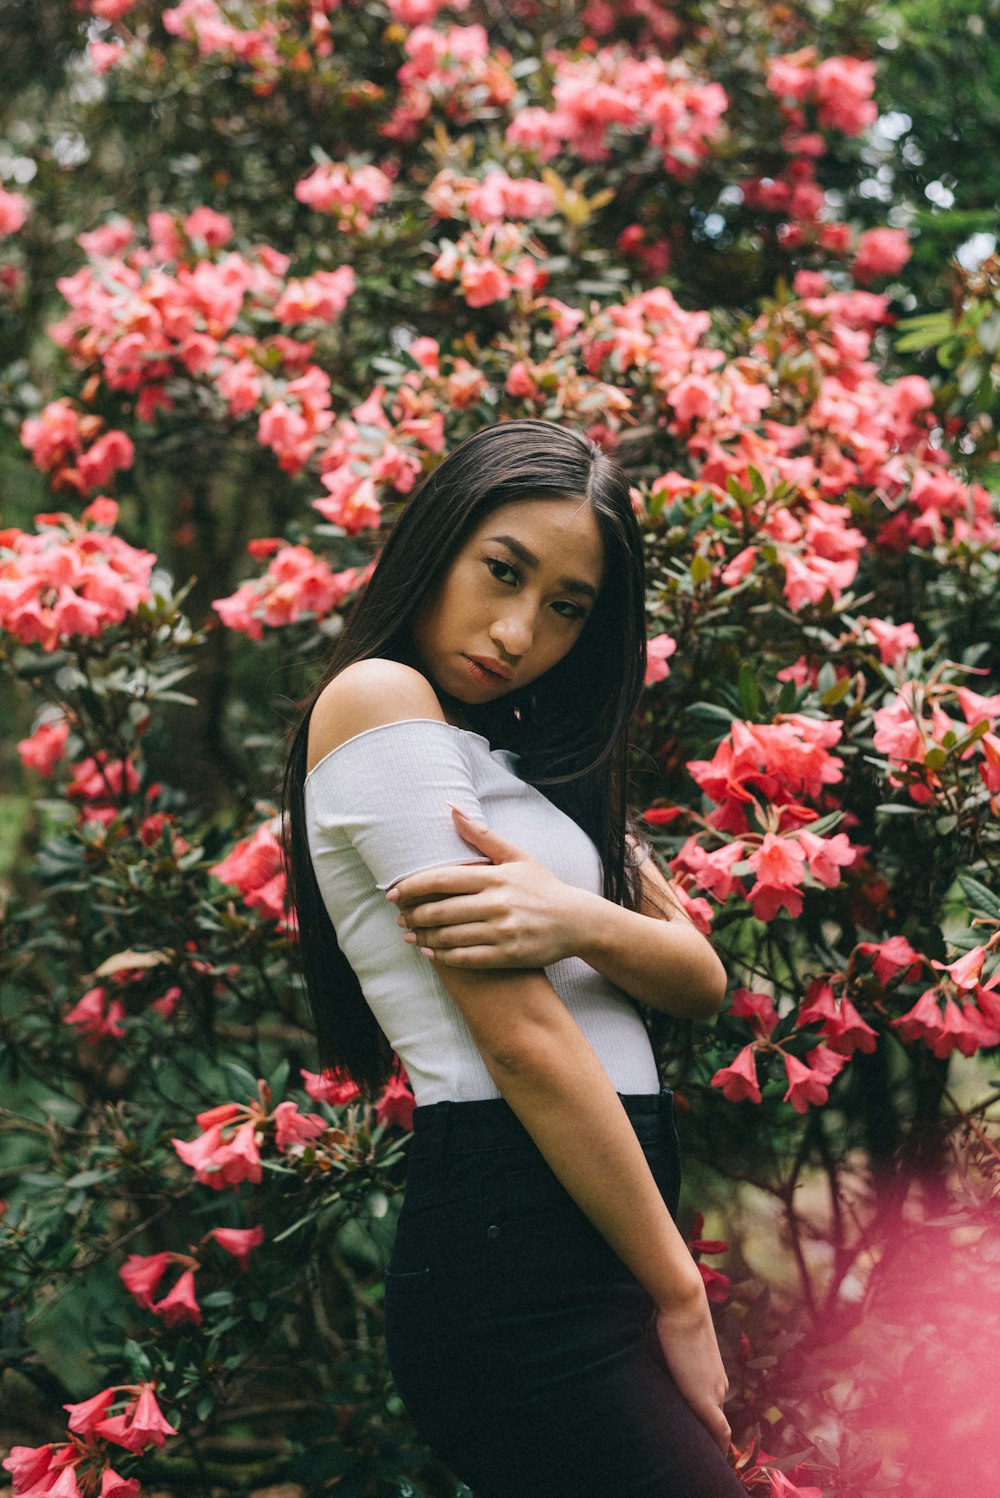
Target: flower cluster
[(297, 583), (450, 69), (351, 194), (125, 1415), (370, 448), (227, 1151), (808, 1079), (920, 739), (71, 578), (615, 93), (494, 198), (394, 1108), (73, 449), (255, 865), (143, 1274), (491, 264), (766, 770), (155, 318)]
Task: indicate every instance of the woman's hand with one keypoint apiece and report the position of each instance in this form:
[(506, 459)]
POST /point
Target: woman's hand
[(686, 1337), (510, 913)]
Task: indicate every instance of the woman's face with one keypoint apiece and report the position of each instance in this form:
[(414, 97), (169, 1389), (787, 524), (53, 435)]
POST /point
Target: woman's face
[(514, 600)]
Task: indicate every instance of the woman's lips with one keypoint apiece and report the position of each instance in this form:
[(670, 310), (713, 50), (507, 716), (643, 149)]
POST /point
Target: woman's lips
[(488, 671)]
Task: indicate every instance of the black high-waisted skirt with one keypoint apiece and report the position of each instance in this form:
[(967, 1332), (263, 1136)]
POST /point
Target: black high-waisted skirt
[(519, 1342)]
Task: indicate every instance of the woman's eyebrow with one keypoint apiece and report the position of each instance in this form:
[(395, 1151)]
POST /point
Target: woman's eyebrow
[(571, 584)]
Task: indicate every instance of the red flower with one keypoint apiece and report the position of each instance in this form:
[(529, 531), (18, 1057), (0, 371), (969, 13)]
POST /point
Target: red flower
[(716, 1284), (142, 1423), (738, 1080), (86, 1416), (293, 1127), (141, 1274), (805, 1085), (240, 1242), (330, 1086), (758, 1008), (395, 1106), (180, 1304)]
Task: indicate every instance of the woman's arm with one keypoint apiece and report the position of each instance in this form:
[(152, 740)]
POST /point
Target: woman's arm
[(515, 912), (545, 1069)]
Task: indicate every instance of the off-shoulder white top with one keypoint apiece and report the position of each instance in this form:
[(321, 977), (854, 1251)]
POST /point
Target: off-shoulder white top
[(376, 811)]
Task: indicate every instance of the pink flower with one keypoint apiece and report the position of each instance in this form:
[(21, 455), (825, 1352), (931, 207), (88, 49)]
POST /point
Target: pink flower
[(46, 746), (805, 1085), (256, 866), (844, 88), (13, 211), (892, 641), (892, 956), (142, 1273), (658, 651), (758, 1008), (104, 55), (716, 1284), (738, 1080), (93, 1019), (826, 856), (484, 282), (86, 1416), (350, 193), (923, 1021), (180, 1305), (779, 866), (965, 971), (28, 1465), (330, 1086), (395, 1106), (844, 1030), (293, 1127), (113, 1486), (215, 229), (142, 1424), (240, 1242), (880, 252)]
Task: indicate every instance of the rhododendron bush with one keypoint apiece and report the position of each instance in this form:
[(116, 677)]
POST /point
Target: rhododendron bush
[(362, 233)]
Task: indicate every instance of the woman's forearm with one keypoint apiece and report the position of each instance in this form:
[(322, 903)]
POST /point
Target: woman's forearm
[(666, 964), (547, 1072)]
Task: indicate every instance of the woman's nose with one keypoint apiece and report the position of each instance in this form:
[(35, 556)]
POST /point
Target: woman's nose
[(513, 632)]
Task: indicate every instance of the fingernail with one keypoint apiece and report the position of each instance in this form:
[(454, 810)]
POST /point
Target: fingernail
[(426, 952), (392, 894), (410, 936), (461, 813)]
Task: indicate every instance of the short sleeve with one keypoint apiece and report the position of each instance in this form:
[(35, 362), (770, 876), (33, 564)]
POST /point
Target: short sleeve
[(386, 792)]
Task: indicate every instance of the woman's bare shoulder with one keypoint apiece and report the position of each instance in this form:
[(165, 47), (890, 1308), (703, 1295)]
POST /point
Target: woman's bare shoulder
[(368, 694)]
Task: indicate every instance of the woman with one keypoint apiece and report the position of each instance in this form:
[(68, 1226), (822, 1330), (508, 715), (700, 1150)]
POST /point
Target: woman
[(469, 899)]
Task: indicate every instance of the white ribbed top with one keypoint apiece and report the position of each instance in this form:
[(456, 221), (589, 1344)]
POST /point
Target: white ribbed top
[(376, 811)]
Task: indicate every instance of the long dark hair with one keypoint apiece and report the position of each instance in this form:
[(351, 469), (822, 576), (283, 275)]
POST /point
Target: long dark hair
[(570, 726)]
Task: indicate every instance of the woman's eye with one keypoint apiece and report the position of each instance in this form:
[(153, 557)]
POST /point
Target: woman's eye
[(498, 567), (570, 611)]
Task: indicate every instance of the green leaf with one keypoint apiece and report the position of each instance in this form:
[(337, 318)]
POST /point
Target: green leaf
[(748, 692), (983, 900)]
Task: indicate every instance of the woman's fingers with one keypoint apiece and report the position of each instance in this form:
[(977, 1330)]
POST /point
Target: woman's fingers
[(446, 912), (438, 884), (448, 938)]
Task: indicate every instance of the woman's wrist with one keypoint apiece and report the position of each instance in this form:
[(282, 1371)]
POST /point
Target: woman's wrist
[(587, 925), (684, 1298)]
